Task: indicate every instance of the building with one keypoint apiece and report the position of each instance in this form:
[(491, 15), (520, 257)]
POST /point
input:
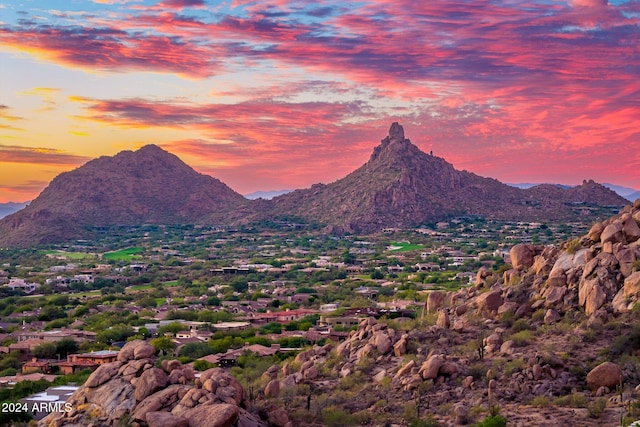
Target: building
[(79, 362), (22, 285)]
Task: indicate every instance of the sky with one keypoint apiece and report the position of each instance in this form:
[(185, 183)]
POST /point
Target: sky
[(282, 94)]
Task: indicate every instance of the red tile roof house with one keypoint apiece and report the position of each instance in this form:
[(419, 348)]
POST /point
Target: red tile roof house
[(282, 316), (34, 365), (78, 362)]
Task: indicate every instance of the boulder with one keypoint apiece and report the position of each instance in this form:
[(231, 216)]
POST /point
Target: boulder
[(619, 302), (278, 417), (164, 400), (212, 415), (591, 295), (461, 413), (555, 294), (150, 381), (405, 370), (400, 348), (443, 319), (169, 365), (632, 285), (551, 316), (377, 378), (430, 368), (382, 342), (612, 233), (522, 256), (434, 301), (272, 389), (165, 419), (135, 350), (489, 301), (103, 374), (607, 374), (630, 228), (595, 232)]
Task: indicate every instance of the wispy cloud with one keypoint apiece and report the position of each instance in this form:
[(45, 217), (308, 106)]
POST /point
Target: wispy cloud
[(39, 155)]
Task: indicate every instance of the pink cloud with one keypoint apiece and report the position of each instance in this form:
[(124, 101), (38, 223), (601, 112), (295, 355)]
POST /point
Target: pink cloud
[(38, 155)]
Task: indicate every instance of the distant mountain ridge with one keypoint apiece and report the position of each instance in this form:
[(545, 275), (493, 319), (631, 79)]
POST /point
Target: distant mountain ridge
[(266, 194), (10, 207), (400, 186), (626, 192)]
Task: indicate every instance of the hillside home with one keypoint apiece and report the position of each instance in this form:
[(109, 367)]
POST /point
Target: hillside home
[(22, 285)]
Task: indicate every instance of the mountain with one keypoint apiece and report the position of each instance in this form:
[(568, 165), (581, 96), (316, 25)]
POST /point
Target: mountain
[(526, 185), (266, 194), (9, 208), (149, 185), (623, 191), (633, 196), (402, 186), (626, 192)]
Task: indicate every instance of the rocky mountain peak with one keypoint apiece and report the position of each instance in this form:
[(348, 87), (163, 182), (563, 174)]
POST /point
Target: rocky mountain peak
[(394, 146), (396, 132)]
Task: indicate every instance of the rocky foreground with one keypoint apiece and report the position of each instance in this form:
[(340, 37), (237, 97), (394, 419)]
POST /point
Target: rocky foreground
[(134, 392), (553, 340)]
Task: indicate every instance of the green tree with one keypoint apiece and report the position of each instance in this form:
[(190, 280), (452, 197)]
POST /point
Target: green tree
[(164, 345), (46, 350)]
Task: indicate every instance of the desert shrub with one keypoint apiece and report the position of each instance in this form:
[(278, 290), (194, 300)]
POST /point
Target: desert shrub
[(538, 315), (522, 338), (334, 416), (203, 365), (627, 342), (597, 407), (540, 402), (507, 319), (492, 421), (589, 335), (521, 325), (515, 365), (478, 371), (572, 246), (574, 400), (429, 421)]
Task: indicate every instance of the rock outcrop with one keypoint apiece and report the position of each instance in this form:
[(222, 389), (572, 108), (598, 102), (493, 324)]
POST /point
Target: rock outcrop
[(133, 391)]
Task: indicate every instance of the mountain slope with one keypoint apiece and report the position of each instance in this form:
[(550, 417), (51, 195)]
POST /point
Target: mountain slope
[(402, 186), (145, 186)]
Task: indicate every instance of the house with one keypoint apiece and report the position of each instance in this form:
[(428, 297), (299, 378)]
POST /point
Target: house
[(231, 326), (35, 365), (57, 335), (79, 362), (329, 307), (367, 292), (342, 321), (427, 266), (22, 285)]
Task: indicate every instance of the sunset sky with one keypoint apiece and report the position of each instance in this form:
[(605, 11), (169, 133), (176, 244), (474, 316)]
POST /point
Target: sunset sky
[(281, 94)]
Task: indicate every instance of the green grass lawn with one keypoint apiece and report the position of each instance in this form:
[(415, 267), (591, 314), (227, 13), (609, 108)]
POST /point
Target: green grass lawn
[(128, 254), (404, 247), (74, 256)]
